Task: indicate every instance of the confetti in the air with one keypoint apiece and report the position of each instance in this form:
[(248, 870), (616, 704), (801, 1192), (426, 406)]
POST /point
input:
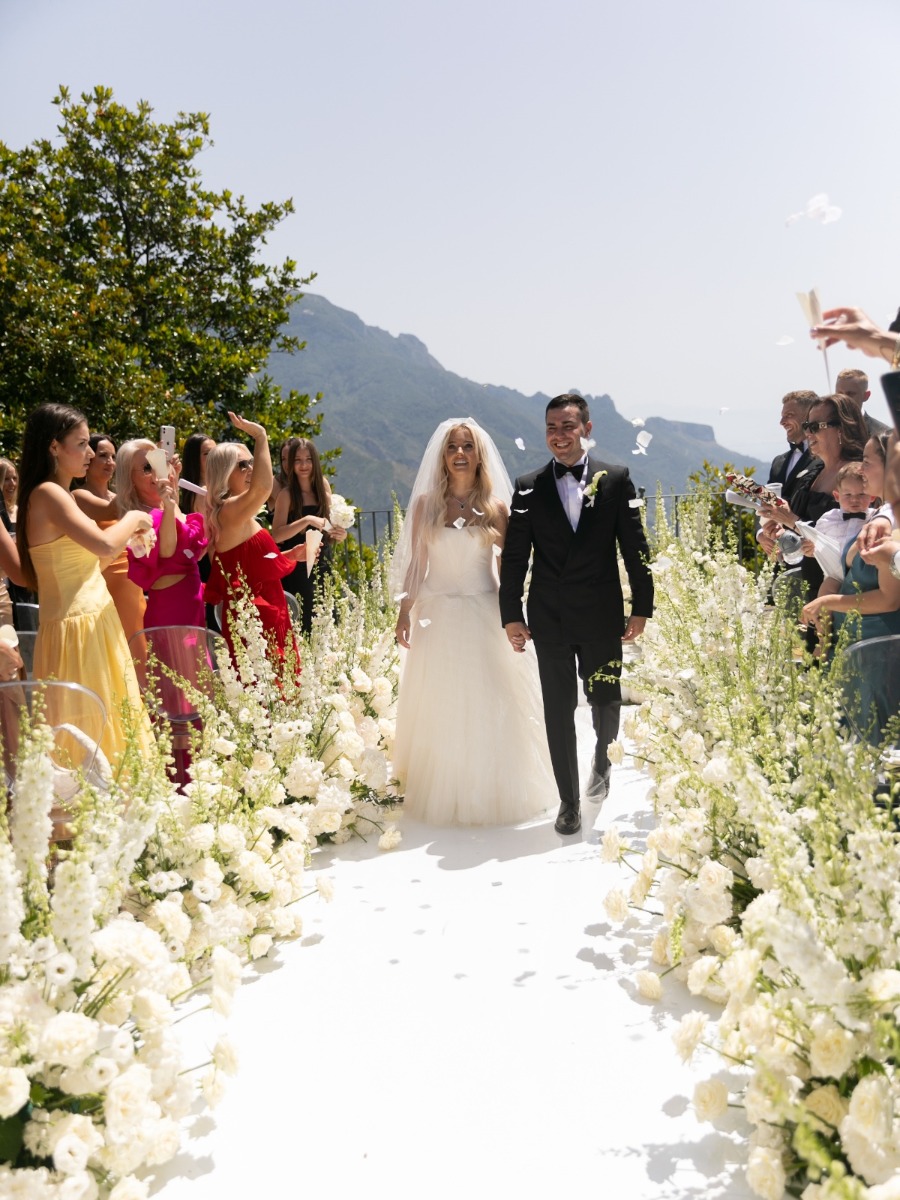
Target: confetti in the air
[(643, 441), (402, 596), (785, 340), (188, 554), (497, 551), (459, 523), (636, 503), (520, 510), (271, 554), (637, 422), (424, 622), (587, 443), (724, 410), (525, 491), (477, 512), (817, 209), (520, 443)]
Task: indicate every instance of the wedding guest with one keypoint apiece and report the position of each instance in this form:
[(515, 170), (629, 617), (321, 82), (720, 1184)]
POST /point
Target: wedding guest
[(194, 454), (169, 572), (304, 504), (859, 332), (495, 768), (282, 475), (854, 384), (790, 467), (96, 499), (836, 436), (243, 553), (9, 489), (80, 636)]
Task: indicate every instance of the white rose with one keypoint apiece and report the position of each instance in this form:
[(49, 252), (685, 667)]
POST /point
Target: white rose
[(201, 838), (225, 1056), (130, 1188), (831, 1049), (224, 747), (70, 1154), (701, 972), (15, 1088), (260, 945), (710, 1100), (871, 1108), (262, 761), (826, 1104), (612, 845), (325, 888), (68, 1039), (765, 1173), (390, 838), (615, 752)]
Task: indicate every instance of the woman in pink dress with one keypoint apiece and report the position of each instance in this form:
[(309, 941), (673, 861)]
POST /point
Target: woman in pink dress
[(169, 573), (242, 552)]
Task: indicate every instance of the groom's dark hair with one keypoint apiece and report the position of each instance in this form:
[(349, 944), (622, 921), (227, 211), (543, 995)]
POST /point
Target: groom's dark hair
[(574, 399)]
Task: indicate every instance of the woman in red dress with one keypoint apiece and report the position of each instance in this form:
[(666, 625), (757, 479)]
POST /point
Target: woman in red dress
[(241, 551)]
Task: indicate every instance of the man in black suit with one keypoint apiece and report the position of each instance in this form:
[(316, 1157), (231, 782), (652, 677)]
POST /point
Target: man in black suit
[(787, 468), (573, 513), (854, 384)]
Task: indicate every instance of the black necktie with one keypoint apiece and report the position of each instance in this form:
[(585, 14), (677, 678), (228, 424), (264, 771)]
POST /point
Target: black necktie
[(561, 469), (850, 516)]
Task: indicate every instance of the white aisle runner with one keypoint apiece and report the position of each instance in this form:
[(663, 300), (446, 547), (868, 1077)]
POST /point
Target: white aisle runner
[(461, 1022)]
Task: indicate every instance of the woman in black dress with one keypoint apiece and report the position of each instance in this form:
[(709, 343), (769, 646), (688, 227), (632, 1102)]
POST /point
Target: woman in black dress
[(304, 504)]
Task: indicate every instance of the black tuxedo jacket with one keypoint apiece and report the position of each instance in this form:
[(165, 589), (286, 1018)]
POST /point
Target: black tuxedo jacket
[(778, 470), (575, 593)]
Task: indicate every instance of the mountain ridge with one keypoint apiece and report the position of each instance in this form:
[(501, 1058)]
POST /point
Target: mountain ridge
[(384, 395)]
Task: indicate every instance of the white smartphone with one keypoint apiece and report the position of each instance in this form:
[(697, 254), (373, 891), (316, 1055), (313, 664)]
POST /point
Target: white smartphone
[(167, 440)]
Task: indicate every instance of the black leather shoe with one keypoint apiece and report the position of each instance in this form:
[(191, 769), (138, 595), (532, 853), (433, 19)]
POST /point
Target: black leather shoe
[(569, 819), (597, 787)]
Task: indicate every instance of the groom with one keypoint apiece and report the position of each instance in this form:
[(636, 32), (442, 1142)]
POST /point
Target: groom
[(572, 514)]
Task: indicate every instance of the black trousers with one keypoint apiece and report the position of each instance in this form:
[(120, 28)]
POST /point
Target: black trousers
[(599, 666)]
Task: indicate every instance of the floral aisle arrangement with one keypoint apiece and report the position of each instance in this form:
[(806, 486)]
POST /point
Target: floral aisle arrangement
[(775, 869), (163, 896)]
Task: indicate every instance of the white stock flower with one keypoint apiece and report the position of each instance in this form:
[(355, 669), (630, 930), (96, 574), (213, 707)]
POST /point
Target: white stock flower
[(701, 973), (616, 906), (649, 985), (612, 845), (325, 888), (871, 1108), (201, 838), (710, 1099), (225, 1056), (390, 838), (615, 752), (360, 680), (224, 747), (260, 945), (70, 1154)]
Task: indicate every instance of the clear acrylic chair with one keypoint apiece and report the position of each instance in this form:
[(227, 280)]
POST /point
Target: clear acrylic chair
[(76, 717), (191, 653), (870, 682)]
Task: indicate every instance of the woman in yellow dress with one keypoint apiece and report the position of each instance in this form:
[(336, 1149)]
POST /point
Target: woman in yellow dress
[(94, 498), (80, 636)]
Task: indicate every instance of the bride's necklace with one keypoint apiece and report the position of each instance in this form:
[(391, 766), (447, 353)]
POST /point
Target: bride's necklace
[(462, 503)]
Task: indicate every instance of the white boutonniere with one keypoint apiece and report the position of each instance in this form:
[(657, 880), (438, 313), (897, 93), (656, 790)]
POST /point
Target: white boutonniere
[(590, 492)]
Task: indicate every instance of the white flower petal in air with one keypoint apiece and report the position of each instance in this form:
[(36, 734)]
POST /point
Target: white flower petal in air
[(425, 622), (636, 503), (644, 438), (525, 491), (477, 512), (188, 554), (637, 422), (520, 510), (785, 341), (587, 443), (497, 551), (271, 554), (459, 523), (520, 443)]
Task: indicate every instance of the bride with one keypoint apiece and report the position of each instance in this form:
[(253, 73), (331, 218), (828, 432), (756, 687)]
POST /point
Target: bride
[(471, 748)]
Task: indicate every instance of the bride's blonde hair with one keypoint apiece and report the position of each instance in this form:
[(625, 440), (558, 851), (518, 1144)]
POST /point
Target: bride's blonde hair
[(482, 499)]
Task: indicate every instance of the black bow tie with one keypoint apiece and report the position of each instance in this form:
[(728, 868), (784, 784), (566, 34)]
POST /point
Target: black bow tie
[(561, 469), (850, 516)]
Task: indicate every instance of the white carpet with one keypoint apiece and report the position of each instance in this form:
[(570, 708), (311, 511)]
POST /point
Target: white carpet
[(461, 1022)]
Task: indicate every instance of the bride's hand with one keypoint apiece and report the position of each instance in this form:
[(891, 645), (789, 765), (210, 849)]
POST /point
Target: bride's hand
[(402, 630)]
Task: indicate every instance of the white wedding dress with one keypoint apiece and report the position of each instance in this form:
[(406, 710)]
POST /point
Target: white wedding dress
[(471, 748)]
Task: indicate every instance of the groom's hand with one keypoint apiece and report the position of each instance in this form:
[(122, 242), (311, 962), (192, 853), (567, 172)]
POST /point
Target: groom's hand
[(634, 628), (518, 634)]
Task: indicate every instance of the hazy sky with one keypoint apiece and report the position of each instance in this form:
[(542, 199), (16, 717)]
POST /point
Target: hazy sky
[(584, 194)]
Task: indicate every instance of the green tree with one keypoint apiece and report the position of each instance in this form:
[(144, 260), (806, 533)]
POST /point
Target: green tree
[(729, 524), (129, 289)]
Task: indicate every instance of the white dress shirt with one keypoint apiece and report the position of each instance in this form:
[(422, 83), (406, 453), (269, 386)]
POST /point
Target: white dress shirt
[(571, 492)]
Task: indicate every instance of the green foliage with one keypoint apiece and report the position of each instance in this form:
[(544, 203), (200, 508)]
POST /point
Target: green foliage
[(129, 289), (728, 525)]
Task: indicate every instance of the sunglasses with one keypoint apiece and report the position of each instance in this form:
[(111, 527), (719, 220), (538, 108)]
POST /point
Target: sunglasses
[(818, 426), (245, 464)]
